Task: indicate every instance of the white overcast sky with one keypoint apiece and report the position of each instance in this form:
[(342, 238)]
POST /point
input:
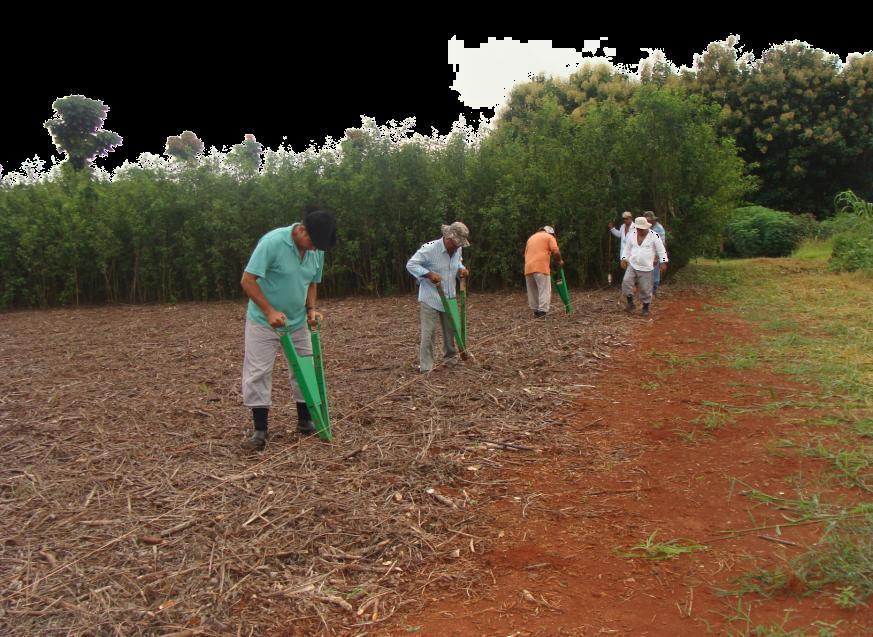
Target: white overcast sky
[(484, 75)]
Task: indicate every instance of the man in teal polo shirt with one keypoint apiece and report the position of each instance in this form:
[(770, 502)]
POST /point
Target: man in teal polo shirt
[(280, 281)]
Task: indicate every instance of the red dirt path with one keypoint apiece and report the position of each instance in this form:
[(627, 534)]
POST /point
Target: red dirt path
[(552, 562)]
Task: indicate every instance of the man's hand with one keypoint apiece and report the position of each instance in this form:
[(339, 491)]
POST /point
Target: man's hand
[(463, 273), (624, 264), (609, 225), (561, 262), (663, 267), (433, 277), (276, 318), (314, 317)]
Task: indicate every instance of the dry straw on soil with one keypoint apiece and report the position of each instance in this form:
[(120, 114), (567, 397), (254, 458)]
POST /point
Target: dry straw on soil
[(130, 509)]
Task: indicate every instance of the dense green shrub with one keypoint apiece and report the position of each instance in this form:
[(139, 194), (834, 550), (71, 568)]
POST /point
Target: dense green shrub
[(853, 250), (755, 231), (182, 227)]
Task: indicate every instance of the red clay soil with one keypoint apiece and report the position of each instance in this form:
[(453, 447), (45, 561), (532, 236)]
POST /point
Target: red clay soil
[(553, 566)]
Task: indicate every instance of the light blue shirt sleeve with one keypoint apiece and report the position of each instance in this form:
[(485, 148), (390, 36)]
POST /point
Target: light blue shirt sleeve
[(261, 258), (417, 263), (433, 257)]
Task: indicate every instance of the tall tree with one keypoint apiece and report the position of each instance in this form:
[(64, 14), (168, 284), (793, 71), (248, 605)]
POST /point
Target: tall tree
[(246, 157), (800, 117), (184, 147), (77, 130)]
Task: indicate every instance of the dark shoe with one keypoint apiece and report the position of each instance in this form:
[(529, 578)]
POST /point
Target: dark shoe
[(305, 427), (645, 309), (257, 442), (630, 307), (304, 420), (539, 314)]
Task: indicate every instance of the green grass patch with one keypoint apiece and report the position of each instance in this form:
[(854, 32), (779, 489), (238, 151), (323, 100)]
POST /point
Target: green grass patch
[(806, 507), (815, 326), (744, 361), (714, 418), (818, 249), (788, 340), (693, 436), (742, 615), (864, 428), (835, 345), (843, 559), (676, 362), (779, 324), (854, 467), (652, 550)]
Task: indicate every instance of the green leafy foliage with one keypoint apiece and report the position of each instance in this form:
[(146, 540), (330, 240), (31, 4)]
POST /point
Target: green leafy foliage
[(755, 231), (183, 227), (76, 130), (852, 229)]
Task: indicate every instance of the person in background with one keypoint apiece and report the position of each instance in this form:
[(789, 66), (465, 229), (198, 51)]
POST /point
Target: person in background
[(658, 229), (541, 247), (435, 263), (627, 219), (638, 254)]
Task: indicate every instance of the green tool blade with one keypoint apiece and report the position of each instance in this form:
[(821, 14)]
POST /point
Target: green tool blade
[(451, 308), (561, 283), (305, 372)]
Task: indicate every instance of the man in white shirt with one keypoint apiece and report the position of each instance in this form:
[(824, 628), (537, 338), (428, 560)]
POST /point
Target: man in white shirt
[(621, 234), (627, 219), (638, 254)]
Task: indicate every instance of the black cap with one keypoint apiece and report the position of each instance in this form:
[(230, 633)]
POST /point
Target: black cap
[(321, 226)]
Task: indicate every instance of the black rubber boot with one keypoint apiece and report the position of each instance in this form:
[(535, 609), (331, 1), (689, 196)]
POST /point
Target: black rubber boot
[(630, 307), (259, 440), (305, 425), (645, 309)]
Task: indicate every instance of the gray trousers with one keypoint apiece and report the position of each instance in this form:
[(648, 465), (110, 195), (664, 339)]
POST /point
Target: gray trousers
[(429, 319), (539, 291), (639, 278), (262, 345)]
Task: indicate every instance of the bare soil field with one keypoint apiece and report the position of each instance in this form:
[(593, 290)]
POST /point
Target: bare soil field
[(655, 450), (502, 497), (130, 509)]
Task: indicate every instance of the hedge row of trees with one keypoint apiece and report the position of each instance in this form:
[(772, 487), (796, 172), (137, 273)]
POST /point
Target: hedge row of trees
[(801, 118), (572, 154), (183, 226)]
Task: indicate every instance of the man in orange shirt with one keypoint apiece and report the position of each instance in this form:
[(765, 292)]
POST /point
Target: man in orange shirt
[(541, 246)]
